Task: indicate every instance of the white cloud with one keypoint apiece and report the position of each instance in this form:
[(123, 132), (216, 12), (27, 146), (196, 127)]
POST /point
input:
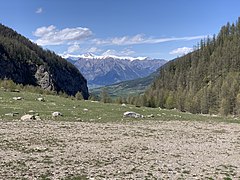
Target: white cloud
[(110, 52), (40, 32), (93, 50), (39, 10), (73, 48), (127, 52), (141, 39), (124, 52), (181, 51), (52, 36)]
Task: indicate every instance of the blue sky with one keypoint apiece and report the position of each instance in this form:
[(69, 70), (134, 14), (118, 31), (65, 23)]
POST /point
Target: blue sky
[(154, 28)]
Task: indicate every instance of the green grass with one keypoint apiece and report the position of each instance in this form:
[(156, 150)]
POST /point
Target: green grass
[(73, 110)]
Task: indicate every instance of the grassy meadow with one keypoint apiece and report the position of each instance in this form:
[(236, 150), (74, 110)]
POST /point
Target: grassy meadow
[(93, 140), (87, 111)]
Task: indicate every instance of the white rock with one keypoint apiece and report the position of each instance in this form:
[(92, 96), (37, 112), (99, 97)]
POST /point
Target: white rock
[(79, 119), (55, 114), (27, 117), (38, 118), (17, 98), (132, 114), (9, 114), (41, 99), (150, 116), (85, 109), (124, 105), (94, 101)]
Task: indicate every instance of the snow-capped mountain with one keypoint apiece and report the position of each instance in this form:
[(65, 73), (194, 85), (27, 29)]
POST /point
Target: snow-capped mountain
[(92, 56), (106, 70)]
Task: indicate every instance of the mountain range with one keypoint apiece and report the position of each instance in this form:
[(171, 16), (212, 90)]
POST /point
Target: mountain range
[(105, 70)]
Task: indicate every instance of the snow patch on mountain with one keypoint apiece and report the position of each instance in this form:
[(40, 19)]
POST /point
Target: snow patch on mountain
[(93, 56)]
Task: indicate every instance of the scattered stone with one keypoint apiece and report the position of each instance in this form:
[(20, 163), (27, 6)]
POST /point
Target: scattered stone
[(9, 114), (79, 119), (56, 114), (17, 98), (27, 117), (16, 90), (41, 99), (94, 101), (38, 118), (132, 114), (150, 116), (1, 98), (121, 150), (85, 109), (31, 111), (124, 105)]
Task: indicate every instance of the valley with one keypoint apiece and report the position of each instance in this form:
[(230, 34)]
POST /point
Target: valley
[(106, 70), (93, 140), (93, 90), (128, 88)]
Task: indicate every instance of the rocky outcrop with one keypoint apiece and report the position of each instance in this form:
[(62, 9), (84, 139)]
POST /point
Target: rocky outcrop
[(43, 78)]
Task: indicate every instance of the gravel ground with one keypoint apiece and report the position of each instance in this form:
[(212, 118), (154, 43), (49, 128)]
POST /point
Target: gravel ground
[(137, 150)]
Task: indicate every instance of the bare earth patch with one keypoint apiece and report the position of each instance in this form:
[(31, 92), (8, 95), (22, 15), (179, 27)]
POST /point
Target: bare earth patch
[(146, 149)]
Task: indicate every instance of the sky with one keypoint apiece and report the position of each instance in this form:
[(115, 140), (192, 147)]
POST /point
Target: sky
[(163, 29)]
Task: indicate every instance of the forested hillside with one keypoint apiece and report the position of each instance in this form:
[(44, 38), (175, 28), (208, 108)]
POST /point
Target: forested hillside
[(204, 81), (26, 63)]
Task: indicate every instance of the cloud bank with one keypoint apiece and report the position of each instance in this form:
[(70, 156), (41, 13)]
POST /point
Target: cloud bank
[(181, 51), (52, 36), (123, 52), (141, 39), (73, 48)]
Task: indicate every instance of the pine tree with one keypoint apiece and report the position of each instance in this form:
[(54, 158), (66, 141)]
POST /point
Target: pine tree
[(105, 98)]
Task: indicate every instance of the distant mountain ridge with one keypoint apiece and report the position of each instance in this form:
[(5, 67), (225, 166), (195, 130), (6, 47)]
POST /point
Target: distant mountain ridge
[(107, 70), (26, 63), (93, 56)]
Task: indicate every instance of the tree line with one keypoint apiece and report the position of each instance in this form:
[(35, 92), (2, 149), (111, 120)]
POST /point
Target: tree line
[(206, 80)]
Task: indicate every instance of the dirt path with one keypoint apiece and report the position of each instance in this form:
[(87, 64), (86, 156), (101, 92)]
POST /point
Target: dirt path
[(161, 150)]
